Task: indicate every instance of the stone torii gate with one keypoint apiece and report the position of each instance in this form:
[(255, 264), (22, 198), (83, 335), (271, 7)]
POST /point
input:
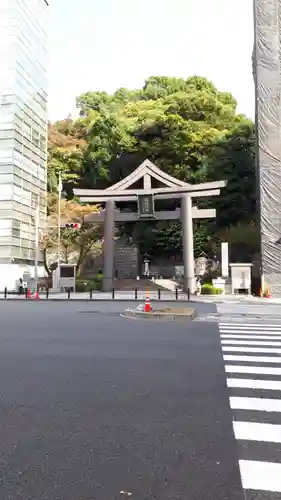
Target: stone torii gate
[(171, 189)]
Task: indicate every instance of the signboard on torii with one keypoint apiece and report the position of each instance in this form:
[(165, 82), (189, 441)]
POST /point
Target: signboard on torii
[(172, 188)]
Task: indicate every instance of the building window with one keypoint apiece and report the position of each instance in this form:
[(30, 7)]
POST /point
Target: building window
[(26, 130), (6, 100), (6, 192), (16, 228), (15, 232), (5, 250), (5, 224), (34, 200), (6, 178), (6, 133)]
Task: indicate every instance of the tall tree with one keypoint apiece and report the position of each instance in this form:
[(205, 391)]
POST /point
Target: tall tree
[(187, 127), (65, 154), (74, 245), (233, 159)]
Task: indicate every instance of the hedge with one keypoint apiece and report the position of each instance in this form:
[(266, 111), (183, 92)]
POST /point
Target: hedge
[(208, 289), (85, 285)]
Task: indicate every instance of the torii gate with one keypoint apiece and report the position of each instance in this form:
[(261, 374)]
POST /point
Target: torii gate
[(172, 189)]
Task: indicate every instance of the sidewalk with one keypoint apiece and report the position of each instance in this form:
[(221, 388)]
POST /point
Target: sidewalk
[(237, 299)]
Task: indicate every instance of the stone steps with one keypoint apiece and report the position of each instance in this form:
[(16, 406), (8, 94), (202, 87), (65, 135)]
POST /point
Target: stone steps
[(132, 284)]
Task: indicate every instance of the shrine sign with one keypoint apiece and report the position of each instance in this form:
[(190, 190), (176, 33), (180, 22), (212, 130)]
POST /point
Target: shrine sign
[(146, 206)]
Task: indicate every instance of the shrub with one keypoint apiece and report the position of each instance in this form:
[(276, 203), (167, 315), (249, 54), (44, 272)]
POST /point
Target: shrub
[(85, 285), (98, 281), (81, 286), (208, 289)]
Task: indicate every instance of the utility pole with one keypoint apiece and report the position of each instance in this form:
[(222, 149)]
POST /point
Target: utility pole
[(59, 217), (36, 255)]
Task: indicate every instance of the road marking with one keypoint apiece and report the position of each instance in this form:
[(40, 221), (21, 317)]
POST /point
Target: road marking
[(265, 337), (252, 359), (273, 385), (245, 341), (260, 475), (249, 342), (259, 404), (251, 431), (258, 370), (268, 350), (261, 326), (250, 332)]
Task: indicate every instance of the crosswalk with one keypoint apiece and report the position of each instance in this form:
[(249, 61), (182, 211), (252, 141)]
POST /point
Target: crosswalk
[(252, 359)]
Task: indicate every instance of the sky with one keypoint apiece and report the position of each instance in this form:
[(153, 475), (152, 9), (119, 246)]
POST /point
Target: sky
[(108, 44)]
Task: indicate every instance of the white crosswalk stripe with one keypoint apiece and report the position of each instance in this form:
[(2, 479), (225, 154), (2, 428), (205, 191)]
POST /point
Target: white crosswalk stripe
[(265, 337), (248, 383), (252, 349), (269, 433), (261, 370), (252, 358), (250, 342)]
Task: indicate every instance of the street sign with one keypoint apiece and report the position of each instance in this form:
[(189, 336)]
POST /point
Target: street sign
[(146, 206)]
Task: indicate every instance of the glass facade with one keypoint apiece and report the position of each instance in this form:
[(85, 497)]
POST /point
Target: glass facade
[(23, 126)]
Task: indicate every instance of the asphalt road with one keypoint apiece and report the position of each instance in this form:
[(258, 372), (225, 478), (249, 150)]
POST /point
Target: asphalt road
[(247, 312), (95, 404)]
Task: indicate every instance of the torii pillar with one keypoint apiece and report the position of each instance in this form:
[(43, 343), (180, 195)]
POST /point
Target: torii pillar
[(108, 247), (187, 243)]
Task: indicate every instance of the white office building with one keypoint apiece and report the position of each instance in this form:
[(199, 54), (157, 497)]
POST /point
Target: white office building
[(23, 134)]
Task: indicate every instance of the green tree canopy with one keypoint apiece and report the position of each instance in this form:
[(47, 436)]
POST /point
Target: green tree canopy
[(186, 127)]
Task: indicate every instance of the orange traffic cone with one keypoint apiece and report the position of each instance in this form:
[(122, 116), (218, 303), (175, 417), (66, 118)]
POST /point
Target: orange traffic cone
[(267, 293), (28, 295), (147, 306), (36, 296)]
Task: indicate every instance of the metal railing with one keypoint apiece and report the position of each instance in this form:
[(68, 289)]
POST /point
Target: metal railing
[(128, 294)]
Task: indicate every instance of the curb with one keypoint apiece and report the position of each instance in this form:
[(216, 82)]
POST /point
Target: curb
[(43, 299), (159, 316)]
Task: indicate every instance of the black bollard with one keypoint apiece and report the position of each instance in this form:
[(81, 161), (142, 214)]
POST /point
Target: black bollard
[(91, 294), (159, 293), (113, 293), (136, 294), (177, 293), (47, 293), (68, 293), (188, 294), (5, 293)]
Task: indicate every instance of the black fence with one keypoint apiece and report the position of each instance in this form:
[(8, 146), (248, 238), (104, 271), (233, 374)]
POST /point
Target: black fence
[(132, 294)]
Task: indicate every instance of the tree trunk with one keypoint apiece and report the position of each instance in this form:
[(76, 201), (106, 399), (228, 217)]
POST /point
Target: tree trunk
[(46, 263), (82, 255)]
